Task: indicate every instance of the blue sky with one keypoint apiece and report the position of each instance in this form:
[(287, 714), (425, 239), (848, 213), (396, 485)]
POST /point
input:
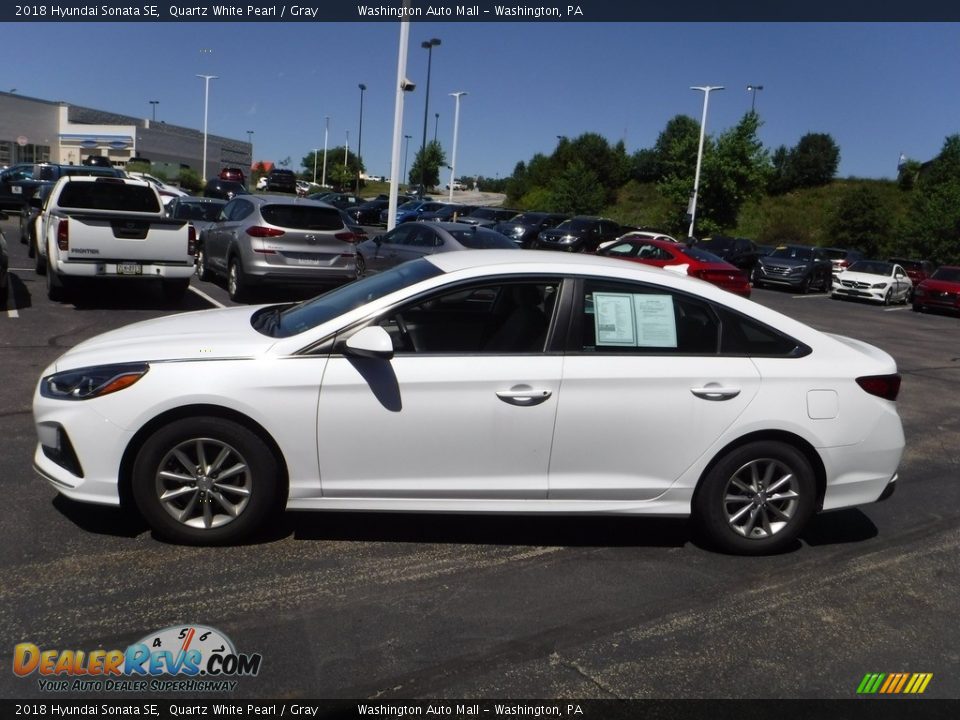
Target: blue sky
[(878, 89)]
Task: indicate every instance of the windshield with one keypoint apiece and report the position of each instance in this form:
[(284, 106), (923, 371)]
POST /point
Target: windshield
[(278, 322), (701, 255), (410, 205), (871, 267), (575, 225), (948, 274), (793, 253)]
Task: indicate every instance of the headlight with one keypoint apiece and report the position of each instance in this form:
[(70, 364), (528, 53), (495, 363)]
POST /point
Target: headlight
[(567, 239), (86, 383), (879, 286)]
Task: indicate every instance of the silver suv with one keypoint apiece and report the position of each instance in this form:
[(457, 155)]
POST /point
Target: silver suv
[(279, 240)]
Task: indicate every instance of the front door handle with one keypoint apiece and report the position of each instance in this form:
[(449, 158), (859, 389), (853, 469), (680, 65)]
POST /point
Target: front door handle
[(524, 395), (715, 391)]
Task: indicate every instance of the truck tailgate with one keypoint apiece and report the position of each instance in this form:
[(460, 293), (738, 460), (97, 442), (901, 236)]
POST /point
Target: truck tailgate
[(126, 237)]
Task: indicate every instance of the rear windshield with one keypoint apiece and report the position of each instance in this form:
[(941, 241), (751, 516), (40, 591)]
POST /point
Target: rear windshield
[(950, 274), (109, 196), (701, 255), (303, 217), (481, 239), (871, 267)]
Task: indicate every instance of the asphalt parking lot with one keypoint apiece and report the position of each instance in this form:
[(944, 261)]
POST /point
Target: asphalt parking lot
[(419, 606)]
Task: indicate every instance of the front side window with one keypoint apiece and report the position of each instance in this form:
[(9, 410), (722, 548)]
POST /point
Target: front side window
[(501, 318)]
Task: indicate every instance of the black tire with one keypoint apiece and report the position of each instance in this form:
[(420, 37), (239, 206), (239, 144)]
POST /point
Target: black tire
[(236, 281), (210, 511), (735, 512), (56, 290), (917, 308), (888, 297), (203, 270), (805, 285), (39, 262), (174, 290), (361, 266)]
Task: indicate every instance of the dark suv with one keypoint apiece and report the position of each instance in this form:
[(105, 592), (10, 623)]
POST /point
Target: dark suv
[(578, 234), (233, 173), (799, 267), (282, 181), (736, 251), (525, 227)]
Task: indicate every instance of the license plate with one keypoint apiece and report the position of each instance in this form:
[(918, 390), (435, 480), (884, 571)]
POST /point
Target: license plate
[(308, 261), (129, 268), (16, 189)]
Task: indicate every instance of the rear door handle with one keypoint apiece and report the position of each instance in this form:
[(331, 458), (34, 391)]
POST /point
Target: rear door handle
[(715, 391), (524, 395)]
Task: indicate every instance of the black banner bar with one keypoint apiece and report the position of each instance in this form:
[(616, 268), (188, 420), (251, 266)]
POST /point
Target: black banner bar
[(481, 11), (859, 709)]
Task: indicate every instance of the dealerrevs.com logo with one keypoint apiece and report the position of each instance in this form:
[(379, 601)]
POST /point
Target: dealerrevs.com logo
[(201, 658)]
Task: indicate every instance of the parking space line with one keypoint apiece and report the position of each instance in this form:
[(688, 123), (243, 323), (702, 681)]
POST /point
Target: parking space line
[(206, 297), (12, 313), (897, 309), (809, 297)]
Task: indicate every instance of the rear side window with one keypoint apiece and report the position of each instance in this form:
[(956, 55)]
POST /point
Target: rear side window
[(483, 240), (741, 335), (302, 217), (109, 196)]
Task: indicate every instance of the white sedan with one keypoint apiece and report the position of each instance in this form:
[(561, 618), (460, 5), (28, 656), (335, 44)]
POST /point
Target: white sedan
[(477, 381), (882, 282)]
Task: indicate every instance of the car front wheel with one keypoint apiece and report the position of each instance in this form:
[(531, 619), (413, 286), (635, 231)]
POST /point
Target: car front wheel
[(205, 481), (756, 499)]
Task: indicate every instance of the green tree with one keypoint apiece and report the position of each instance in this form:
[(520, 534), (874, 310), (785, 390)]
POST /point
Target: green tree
[(864, 221), (734, 172), (814, 161), (577, 191), (932, 227), (426, 166), (190, 181), (338, 175)]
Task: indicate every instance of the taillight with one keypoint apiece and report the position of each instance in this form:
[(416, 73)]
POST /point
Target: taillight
[(260, 231), (347, 237), (883, 386), (63, 234), (191, 240)]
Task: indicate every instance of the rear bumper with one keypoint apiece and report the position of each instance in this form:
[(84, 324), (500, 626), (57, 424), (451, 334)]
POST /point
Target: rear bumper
[(111, 270)]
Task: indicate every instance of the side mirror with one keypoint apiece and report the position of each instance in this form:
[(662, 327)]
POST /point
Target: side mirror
[(370, 342)]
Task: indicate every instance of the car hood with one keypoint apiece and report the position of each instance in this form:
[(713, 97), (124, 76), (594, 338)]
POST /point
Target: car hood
[(870, 278), (940, 286), (204, 335)]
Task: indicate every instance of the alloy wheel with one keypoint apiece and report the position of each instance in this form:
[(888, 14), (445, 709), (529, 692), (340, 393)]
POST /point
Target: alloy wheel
[(761, 498)]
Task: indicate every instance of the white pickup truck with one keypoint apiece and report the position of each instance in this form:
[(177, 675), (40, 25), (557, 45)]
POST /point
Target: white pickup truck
[(106, 227)]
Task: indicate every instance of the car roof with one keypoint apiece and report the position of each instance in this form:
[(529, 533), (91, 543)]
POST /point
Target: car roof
[(546, 261)]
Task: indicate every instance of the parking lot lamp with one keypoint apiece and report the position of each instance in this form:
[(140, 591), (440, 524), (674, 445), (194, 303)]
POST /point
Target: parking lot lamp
[(456, 127), (154, 103), (359, 138), (406, 153), (316, 151), (696, 177), (753, 99), (428, 45), (326, 132), (206, 107)]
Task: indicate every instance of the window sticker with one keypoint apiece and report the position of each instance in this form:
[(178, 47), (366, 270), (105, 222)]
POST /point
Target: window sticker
[(633, 320)]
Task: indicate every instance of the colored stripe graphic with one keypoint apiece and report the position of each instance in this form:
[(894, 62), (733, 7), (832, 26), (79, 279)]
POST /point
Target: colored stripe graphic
[(894, 683)]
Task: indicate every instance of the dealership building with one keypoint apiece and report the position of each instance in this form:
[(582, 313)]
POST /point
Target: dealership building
[(34, 130)]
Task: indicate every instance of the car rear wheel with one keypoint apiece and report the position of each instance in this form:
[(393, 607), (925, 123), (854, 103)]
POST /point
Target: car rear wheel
[(361, 266), (203, 270), (56, 289), (205, 481), (236, 281), (756, 499)]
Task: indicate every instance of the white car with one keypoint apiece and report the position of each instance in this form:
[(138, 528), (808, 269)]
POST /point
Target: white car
[(876, 280), (167, 191), (477, 382), (262, 183)]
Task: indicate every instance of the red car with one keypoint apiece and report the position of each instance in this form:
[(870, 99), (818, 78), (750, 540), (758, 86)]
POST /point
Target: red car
[(939, 291), (233, 174), (676, 256)]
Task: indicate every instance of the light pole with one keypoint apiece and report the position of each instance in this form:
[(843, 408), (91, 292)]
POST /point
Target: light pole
[(456, 127), (359, 138), (206, 107), (316, 152), (428, 45), (326, 132), (403, 86), (154, 103), (346, 150), (753, 99), (696, 177), (406, 153), (436, 126)]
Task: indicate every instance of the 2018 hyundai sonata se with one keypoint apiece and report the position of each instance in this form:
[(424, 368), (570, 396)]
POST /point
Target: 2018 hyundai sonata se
[(477, 381)]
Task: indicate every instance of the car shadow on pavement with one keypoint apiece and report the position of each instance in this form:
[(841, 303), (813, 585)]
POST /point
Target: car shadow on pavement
[(100, 519), (839, 527), (129, 295), (566, 531), (18, 294)]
